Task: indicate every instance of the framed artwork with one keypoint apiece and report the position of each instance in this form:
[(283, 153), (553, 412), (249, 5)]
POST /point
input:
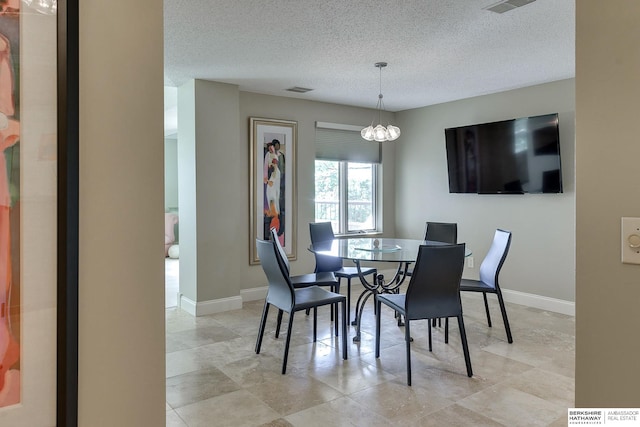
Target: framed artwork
[(272, 183), (38, 212)]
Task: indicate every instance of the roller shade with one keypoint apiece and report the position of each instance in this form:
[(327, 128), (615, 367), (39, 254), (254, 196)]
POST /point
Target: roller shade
[(344, 144)]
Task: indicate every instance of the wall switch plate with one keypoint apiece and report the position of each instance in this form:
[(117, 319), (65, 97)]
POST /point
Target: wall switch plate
[(470, 262), (630, 240)]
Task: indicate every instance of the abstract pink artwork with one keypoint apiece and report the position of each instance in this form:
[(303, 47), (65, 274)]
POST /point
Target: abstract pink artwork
[(9, 203)]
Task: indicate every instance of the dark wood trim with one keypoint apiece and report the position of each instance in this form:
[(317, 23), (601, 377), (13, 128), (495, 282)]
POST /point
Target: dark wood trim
[(68, 138)]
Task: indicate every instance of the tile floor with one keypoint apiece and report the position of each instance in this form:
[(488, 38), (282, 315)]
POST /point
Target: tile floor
[(171, 274), (214, 377)]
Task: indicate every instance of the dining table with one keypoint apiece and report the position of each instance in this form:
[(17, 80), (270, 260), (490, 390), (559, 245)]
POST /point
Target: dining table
[(402, 252)]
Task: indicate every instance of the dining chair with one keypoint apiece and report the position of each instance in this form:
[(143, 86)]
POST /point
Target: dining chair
[(323, 232), (446, 232), (286, 298), (489, 273), (324, 278), (433, 292)]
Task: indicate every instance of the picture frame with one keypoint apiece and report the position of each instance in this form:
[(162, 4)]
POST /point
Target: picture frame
[(40, 114), (272, 184)]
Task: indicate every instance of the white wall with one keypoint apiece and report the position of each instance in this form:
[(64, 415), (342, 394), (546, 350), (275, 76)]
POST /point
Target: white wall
[(541, 260), (170, 174)]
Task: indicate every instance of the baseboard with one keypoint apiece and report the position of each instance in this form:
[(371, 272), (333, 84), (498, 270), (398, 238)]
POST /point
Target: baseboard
[(541, 302), (210, 307), (254, 294)]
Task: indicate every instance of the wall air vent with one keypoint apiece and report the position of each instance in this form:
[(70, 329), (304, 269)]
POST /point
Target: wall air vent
[(298, 89), (507, 5)]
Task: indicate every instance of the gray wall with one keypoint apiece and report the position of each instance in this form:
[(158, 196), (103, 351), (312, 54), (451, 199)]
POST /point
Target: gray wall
[(121, 378), (121, 295), (541, 260), (213, 158), (607, 153), (306, 113)]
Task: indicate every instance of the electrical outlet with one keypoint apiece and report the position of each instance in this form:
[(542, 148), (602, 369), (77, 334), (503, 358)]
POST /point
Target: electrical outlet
[(470, 262), (630, 240)]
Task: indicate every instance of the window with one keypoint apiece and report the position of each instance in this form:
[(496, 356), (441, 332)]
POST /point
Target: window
[(346, 178)]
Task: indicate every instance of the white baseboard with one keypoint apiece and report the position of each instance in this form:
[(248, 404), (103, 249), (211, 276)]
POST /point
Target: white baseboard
[(541, 302), (254, 294), (210, 307)]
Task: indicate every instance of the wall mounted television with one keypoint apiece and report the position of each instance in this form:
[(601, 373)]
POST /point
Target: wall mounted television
[(507, 157)]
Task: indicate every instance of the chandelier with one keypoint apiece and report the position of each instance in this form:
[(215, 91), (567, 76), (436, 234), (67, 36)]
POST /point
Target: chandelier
[(380, 133), (47, 7)]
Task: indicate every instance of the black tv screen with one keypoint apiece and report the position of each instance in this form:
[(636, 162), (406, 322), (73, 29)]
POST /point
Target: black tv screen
[(508, 157)]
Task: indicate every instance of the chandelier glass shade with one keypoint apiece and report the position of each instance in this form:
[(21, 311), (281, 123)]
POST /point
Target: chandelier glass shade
[(380, 133)]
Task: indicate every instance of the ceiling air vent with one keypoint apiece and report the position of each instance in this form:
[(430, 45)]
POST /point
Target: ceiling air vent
[(507, 5), (298, 89)]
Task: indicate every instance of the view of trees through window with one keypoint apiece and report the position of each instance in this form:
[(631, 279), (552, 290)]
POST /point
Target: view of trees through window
[(344, 195)]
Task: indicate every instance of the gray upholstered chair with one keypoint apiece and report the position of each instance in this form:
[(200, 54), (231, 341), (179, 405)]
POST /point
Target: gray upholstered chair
[(323, 232), (286, 298), (489, 273), (323, 278), (446, 232), (433, 292)]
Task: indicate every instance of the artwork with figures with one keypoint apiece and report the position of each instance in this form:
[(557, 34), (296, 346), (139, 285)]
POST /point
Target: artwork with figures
[(273, 182), (9, 203), (274, 185)]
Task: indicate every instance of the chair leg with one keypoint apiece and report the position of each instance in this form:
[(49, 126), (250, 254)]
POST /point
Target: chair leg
[(446, 330), (279, 323), (465, 346), (315, 324), (429, 323), (378, 305), (407, 339), (286, 345), (345, 316), (348, 299), (334, 307), (486, 308), (504, 317), (263, 322)]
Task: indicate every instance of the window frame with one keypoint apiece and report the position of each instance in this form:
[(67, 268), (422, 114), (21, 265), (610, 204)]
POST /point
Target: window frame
[(343, 203)]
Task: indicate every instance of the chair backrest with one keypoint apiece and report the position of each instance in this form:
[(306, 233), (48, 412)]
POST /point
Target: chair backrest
[(492, 262), (281, 292), (446, 232), (281, 251), (434, 288), (323, 232)]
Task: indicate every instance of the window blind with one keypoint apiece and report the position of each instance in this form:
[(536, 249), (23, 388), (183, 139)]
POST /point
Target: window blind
[(343, 142)]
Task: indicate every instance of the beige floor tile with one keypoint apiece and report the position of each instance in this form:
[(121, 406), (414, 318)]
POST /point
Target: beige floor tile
[(214, 376), (174, 420), (339, 412), (457, 416), (398, 403), (237, 409), (549, 386), (199, 385), (512, 407)]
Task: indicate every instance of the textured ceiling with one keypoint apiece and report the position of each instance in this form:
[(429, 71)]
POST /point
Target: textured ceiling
[(437, 50)]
